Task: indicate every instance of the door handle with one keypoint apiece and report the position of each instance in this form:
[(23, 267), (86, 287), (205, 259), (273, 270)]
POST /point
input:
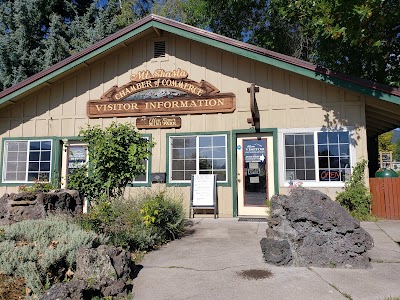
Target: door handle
[(238, 179)]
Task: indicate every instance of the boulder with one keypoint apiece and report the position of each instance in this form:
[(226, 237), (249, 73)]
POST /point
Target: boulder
[(100, 272), (307, 228), (37, 205)]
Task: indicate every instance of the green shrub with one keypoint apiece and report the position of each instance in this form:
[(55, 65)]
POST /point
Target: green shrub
[(140, 223), (36, 249), (116, 154), (356, 197), (164, 214)]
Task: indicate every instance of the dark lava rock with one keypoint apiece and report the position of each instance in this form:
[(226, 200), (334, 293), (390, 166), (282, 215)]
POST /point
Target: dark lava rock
[(307, 228)]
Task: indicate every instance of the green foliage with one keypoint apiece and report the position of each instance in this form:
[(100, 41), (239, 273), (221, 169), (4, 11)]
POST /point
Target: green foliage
[(385, 142), (137, 223), (397, 152), (356, 197), (163, 214), (35, 34), (338, 35), (42, 185), (116, 155), (34, 249)]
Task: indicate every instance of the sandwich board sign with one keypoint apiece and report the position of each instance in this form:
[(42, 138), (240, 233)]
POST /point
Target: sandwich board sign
[(203, 192)]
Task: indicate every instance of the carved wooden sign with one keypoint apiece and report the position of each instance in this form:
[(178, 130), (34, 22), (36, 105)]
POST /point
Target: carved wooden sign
[(158, 122), (161, 93)]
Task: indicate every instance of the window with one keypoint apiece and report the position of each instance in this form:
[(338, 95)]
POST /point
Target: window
[(143, 178), (317, 156), (26, 161), (204, 154)]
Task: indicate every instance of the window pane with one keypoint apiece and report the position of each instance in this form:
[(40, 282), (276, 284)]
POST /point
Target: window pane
[(190, 153), (290, 163), (289, 139), (34, 156), (289, 175), (205, 152), (310, 175), (46, 145), (22, 156), (300, 175), (322, 138), (300, 163), (323, 162), (219, 164), (21, 176), (21, 166), (299, 139), (323, 150), (334, 162), (205, 164), (190, 142), (310, 163), (12, 166), (219, 152), (177, 142), (298, 155), (32, 176), (11, 176), (309, 150), (333, 137), (45, 166), (334, 150), (345, 162), (205, 141), (309, 139), (344, 137), (34, 146), (12, 156), (33, 166), (219, 141), (23, 146), (177, 175), (177, 164), (289, 151), (190, 165), (177, 153), (188, 174), (45, 156), (299, 151), (12, 146), (344, 150)]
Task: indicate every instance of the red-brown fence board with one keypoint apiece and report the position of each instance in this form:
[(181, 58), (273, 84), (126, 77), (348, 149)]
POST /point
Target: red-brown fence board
[(385, 197)]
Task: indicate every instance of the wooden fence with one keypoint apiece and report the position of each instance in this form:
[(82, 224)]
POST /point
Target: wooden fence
[(386, 197)]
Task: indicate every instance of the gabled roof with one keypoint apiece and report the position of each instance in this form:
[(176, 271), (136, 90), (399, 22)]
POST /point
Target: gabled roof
[(285, 62)]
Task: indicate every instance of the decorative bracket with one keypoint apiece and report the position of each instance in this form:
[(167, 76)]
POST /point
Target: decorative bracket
[(255, 116)]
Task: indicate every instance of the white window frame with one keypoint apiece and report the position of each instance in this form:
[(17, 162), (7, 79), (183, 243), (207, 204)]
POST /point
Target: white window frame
[(147, 174), (282, 158), (5, 156), (197, 136)]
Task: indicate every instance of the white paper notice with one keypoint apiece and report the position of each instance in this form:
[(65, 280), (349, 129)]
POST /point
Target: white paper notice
[(203, 190)]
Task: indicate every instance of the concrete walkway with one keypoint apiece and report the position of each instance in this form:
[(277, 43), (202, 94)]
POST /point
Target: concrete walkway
[(211, 263)]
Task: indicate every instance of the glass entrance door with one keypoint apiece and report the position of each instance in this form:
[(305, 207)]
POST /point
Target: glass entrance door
[(254, 163)]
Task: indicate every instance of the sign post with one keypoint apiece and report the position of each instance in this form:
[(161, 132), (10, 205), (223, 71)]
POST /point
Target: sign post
[(203, 192)]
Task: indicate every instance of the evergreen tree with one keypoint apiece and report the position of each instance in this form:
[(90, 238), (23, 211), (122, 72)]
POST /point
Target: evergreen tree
[(35, 34)]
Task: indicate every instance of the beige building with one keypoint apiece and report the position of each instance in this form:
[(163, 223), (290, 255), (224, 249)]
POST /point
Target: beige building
[(259, 120)]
